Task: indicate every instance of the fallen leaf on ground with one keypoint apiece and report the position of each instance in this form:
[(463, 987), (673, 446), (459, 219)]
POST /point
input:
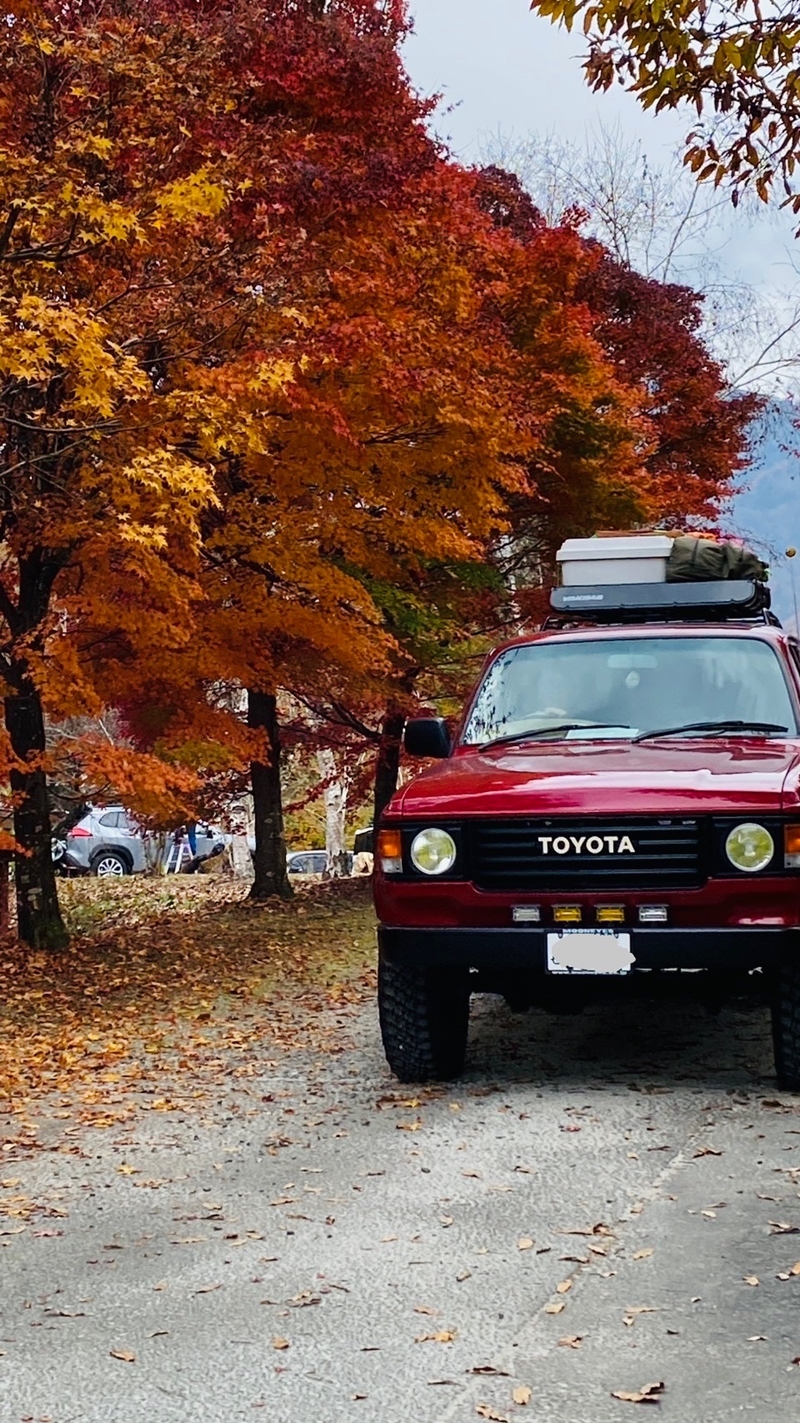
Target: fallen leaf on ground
[(126, 1355), (782, 1227), (756, 1338), (571, 1341), (207, 1289), (442, 1336), (630, 1315), (280, 1343), (707, 1151), (522, 1395), (489, 1369), (648, 1393), (643, 1254), (564, 1287), (554, 1307), (485, 1410), (752, 1280), (424, 1309), (525, 1243)]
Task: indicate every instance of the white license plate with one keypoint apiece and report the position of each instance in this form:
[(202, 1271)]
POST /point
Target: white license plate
[(589, 951)]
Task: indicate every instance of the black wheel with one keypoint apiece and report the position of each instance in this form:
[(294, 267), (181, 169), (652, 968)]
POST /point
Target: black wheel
[(424, 1015), (786, 1028), (109, 864)]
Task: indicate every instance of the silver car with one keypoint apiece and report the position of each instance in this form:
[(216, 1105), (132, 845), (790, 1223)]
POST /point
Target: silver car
[(108, 841)]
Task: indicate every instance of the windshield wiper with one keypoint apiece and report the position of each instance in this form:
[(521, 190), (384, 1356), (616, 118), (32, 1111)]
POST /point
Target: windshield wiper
[(712, 726), (556, 730)]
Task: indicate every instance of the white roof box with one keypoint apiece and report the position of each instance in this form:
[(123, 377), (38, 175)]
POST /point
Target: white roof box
[(623, 558)]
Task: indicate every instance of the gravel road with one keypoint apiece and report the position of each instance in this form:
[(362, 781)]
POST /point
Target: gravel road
[(579, 1216)]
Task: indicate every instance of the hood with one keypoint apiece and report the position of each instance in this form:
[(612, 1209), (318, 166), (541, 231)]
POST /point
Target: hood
[(607, 778)]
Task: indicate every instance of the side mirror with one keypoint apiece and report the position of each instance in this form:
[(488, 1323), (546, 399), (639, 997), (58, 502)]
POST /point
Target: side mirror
[(427, 736)]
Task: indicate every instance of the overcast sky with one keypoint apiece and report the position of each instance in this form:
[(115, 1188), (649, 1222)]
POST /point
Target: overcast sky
[(499, 67)]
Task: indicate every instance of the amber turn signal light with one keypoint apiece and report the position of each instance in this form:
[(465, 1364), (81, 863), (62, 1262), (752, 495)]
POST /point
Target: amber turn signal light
[(611, 914), (791, 847), (567, 914), (390, 852)]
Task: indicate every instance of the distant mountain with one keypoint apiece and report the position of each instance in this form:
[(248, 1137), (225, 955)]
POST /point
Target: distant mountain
[(767, 513)]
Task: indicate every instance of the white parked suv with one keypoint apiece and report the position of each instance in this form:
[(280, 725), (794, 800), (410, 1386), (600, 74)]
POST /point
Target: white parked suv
[(108, 841)]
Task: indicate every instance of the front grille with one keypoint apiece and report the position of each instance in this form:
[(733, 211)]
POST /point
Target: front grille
[(530, 855)]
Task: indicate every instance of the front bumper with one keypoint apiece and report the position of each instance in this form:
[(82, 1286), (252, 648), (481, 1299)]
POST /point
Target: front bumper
[(524, 950)]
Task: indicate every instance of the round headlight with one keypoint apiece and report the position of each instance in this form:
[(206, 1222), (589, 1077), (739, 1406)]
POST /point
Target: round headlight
[(750, 847), (433, 852)]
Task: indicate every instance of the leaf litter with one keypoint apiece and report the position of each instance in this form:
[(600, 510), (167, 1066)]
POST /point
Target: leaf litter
[(129, 1020)]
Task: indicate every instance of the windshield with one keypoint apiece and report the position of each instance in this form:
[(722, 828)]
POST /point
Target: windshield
[(627, 686)]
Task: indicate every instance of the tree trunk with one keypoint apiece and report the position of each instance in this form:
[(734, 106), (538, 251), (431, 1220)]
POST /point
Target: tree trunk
[(5, 917), (269, 857), (388, 766), (335, 815), (38, 913)]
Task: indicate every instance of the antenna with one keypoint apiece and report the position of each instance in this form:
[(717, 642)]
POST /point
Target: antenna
[(790, 554)]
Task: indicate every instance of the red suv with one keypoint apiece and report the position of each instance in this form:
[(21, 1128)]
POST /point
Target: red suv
[(618, 811)]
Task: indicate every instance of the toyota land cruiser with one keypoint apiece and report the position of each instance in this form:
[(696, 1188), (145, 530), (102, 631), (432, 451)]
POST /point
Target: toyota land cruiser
[(618, 810)]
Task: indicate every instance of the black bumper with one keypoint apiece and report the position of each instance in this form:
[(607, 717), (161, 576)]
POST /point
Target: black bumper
[(525, 950)]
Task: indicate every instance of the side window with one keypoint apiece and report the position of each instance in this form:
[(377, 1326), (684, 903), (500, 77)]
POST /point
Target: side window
[(794, 653), (111, 819)]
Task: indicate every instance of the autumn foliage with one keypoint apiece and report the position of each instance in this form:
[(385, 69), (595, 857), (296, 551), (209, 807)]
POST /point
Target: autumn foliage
[(288, 398)]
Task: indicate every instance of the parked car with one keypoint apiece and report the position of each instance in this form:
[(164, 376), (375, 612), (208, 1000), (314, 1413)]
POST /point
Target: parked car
[(107, 841), (617, 814), (311, 862), (307, 862)]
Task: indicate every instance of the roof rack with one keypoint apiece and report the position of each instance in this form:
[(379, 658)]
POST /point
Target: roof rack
[(661, 602)]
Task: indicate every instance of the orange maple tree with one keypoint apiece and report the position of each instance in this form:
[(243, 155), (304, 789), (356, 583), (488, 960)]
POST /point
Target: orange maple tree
[(276, 376)]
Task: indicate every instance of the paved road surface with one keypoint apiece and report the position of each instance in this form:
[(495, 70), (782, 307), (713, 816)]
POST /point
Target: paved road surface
[(625, 1165)]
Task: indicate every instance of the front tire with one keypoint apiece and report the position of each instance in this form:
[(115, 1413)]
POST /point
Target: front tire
[(424, 1017), (786, 1028)]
